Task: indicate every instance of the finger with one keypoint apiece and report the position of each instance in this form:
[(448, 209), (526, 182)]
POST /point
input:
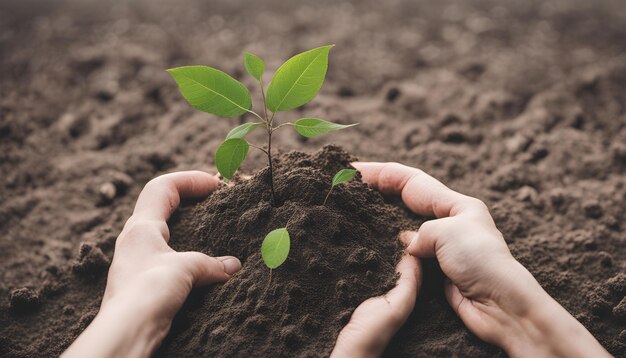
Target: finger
[(206, 269), (402, 297), (376, 320), (422, 193), (453, 295), (431, 236), (161, 196)]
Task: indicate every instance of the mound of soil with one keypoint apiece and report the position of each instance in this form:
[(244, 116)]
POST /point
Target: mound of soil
[(341, 254)]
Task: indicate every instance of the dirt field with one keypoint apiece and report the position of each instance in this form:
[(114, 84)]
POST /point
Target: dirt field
[(520, 103)]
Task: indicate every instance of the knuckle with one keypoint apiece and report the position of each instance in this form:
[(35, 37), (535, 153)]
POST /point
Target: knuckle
[(477, 203), (429, 228), (389, 171)]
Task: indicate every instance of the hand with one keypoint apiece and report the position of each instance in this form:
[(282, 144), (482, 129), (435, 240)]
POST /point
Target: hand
[(148, 281), (494, 295), (376, 320)]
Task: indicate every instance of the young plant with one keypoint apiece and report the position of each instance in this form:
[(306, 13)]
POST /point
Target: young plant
[(295, 83), (342, 176), (275, 248)]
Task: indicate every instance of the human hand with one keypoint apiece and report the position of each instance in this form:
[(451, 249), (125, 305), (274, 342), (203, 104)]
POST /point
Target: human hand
[(494, 295), (148, 281), (375, 321)]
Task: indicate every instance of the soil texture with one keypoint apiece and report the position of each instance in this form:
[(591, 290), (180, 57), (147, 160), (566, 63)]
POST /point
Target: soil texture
[(519, 103), (341, 254)]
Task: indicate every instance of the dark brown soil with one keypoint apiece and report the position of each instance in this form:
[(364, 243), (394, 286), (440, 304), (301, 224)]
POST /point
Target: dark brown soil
[(341, 254), (520, 103)]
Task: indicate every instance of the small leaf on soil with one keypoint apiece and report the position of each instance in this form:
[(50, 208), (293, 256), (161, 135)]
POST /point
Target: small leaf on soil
[(230, 155), (343, 176), (275, 248), (298, 80), (242, 130), (315, 127), (254, 65), (210, 90)]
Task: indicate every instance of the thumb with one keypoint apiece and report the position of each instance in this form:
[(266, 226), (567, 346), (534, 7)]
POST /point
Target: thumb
[(206, 269)]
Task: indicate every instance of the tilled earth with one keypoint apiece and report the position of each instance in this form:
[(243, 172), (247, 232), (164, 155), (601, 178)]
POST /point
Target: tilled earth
[(520, 103)]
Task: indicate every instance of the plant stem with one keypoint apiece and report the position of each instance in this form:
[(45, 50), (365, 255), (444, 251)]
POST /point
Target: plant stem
[(269, 158), (327, 195), (268, 125), (272, 118)]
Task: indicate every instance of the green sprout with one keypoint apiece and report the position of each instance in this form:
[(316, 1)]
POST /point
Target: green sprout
[(275, 248), (295, 83), (342, 176)]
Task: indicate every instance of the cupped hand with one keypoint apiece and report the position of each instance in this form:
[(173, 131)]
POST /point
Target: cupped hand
[(148, 281), (375, 321), (494, 295)]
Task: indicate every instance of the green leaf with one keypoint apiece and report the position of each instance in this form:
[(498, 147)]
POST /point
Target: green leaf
[(315, 127), (275, 248), (343, 176), (298, 80), (230, 155), (242, 130), (254, 65), (213, 91)]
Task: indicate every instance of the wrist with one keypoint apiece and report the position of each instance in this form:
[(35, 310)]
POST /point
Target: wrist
[(122, 327), (542, 327)]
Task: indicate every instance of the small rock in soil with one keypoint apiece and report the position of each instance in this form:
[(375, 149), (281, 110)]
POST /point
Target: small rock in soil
[(91, 261), (24, 300), (122, 182), (107, 192), (527, 193)]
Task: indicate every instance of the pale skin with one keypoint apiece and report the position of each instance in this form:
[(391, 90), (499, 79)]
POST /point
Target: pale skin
[(494, 295)]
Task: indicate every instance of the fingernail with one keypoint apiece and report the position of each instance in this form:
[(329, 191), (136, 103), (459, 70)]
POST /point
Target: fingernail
[(231, 264), (407, 237)]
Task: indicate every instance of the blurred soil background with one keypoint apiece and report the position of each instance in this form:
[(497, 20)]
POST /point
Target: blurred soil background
[(520, 103)]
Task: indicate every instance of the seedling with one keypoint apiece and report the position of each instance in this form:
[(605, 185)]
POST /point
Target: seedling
[(342, 176), (294, 84), (275, 248)]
